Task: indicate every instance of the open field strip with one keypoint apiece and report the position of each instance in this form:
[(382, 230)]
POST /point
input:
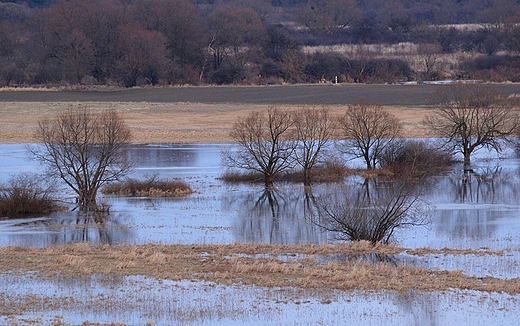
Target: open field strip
[(168, 122)]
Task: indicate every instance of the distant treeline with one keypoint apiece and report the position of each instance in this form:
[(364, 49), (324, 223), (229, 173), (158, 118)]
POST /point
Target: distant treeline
[(151, 42)]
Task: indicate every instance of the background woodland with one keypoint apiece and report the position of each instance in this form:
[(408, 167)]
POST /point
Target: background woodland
[(177, 42)]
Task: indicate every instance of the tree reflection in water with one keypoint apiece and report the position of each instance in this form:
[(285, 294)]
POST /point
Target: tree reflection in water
[(92, 227), (277, 217), (487, 185), (371, 210), (469, 202)]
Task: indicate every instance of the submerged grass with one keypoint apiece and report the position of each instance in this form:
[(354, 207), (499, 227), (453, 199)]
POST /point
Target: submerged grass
[(258, 264)]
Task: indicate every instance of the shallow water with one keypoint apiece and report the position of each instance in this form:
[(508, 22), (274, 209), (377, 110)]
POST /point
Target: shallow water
[(137, 300), (465, 210), (478, 210)]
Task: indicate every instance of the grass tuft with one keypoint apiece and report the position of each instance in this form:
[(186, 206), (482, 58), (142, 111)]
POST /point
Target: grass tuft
[(150, 187), (333, 171)]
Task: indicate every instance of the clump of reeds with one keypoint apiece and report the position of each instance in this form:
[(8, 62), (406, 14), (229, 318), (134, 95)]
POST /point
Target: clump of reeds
[(26, 195), (232, 176), (330, 171), (149, 187)]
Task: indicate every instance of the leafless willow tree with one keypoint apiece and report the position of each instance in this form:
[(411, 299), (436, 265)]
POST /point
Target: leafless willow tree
[(85, 149), (368, 128), (359, 213), (314, 128), (470, 117), (264, 143)]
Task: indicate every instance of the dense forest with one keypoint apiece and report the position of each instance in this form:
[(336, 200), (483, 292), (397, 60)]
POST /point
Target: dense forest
[(173, 42)]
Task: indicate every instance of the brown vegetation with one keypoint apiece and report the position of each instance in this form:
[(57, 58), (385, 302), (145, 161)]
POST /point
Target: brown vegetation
[(179, 42), (330, 171), (150, 187), (236, 263), (27, 194), (415, 158)]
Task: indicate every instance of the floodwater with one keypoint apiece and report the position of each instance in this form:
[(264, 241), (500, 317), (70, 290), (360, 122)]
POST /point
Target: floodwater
[(477, 210)]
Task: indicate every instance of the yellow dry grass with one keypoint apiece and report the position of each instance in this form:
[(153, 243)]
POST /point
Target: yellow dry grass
[(167, 122), (262, 265)]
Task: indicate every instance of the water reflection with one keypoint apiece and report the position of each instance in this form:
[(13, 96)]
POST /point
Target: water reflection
[(279, 216), (135, 300), (470, 209), (68, 227), (484, 185), (164, 156), (371, 210)]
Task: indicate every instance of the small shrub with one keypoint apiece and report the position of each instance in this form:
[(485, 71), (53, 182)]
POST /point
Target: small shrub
[(330, 171), (27, 194), (150, 187), (232, 176), (414, 157)]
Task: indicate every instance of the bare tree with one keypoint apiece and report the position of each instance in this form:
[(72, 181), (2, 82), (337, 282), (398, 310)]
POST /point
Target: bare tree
[(470, 117), (430, 55), (368, 129), (356, 213), (264, 143), (328, 16), (84, 149), (314, 128)]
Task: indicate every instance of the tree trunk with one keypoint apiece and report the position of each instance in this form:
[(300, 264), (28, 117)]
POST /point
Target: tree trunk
[(467, 160), (268, 181), (306, 177), (87, 202), (368, 161)]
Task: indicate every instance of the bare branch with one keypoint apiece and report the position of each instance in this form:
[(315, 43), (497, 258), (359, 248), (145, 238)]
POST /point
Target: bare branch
[(85, 150), (473, 117), (368, 129), (264, 144), (314, 129)]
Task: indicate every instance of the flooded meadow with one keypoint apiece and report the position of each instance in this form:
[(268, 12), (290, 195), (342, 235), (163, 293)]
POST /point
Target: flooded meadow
[(475, 211)]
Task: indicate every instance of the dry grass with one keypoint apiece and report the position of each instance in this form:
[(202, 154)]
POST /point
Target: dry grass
[(150, 187), (167, 122), (240, 263)]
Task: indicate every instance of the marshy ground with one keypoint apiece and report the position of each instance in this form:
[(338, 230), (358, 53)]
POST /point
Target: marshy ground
[(156, 117)]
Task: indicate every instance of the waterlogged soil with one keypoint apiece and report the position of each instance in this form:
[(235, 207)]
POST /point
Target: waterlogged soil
[(137, 300), (253, 284), (261, 265), (242, 284)]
